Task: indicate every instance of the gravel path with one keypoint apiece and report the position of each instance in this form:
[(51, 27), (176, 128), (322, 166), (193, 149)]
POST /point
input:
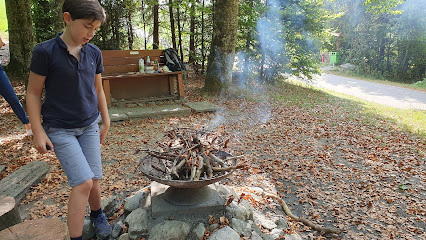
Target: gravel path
[(397, 97)]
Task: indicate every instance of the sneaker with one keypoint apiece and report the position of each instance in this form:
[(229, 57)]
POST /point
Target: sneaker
[(102, 227)]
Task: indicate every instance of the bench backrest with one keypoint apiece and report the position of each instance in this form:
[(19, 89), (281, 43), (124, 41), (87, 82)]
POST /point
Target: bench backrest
[(124, 61)]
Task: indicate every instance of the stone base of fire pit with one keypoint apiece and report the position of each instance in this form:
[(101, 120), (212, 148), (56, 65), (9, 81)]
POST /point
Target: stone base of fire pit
[(172, 201)]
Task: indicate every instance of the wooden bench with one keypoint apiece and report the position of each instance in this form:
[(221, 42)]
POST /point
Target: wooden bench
[(121, 78)]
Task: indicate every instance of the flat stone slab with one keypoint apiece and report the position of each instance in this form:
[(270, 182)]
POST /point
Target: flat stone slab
[(158, 111), (161, 206), (117, 114), (203, 106), (19, 182)]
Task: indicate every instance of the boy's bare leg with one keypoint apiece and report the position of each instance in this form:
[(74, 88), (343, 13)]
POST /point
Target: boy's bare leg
[(77, 207), (95, 196)]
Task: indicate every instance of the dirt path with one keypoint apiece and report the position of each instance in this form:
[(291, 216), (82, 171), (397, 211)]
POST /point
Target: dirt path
[(393, 96)]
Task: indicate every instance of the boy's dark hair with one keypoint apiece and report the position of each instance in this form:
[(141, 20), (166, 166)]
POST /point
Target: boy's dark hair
[(84, 9)]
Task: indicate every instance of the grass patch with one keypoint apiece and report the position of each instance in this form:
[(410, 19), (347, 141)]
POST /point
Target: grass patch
[(420, 86), (410, 120), (3, 20)]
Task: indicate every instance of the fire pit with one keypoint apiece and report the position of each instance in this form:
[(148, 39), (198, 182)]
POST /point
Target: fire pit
[(188, 161)]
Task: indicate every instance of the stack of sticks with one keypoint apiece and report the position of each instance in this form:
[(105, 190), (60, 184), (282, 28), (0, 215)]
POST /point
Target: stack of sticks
[(192, 155)]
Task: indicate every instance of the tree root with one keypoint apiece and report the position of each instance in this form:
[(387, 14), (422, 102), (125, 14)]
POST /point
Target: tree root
[(320, 229)]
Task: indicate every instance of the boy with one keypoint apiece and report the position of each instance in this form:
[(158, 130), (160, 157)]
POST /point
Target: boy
[(69, 68)]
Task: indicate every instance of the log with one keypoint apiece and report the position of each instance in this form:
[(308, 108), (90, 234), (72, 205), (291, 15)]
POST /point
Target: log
[(39, 229), (18, 183), (9, 214)]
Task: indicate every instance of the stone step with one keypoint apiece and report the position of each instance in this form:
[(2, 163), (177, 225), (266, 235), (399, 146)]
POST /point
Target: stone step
[(19, 182)]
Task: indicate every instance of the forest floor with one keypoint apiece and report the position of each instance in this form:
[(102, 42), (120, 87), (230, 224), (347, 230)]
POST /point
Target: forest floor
[(329, 159)]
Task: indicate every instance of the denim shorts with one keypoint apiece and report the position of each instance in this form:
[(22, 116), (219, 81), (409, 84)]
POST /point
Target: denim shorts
[(79, 151)]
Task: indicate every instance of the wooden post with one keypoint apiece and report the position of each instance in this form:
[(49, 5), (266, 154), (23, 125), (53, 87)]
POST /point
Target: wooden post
[(39, 229), (9, 214), (107, 91), (180, 86)]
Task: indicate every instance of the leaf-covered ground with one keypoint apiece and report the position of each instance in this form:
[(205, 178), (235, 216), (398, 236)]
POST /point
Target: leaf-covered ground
[(331, 162)]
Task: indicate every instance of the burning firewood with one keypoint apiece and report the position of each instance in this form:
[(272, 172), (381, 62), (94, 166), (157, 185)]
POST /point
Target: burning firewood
[(192, 155)]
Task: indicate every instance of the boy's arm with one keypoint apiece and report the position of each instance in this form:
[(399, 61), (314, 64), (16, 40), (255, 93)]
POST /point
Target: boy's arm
[(33, 100), (102, 107)]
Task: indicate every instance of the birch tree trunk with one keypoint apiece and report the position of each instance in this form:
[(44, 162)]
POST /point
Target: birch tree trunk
[(222, 52)]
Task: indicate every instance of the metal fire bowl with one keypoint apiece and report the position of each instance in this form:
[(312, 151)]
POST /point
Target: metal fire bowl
[(155, 175)]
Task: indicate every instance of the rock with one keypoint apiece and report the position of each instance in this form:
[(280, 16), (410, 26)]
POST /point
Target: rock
[(276, 233), (88, 230), (133, 202), (197, 232), (225, 191), (259, 218), (255, 236), (225, 233), (124, 236), (170, 230), (138, 223), (292, 237), (2, 167), (110, 205), (117, 229), (213, 227), (242, 211), (241, 227), (281, 223), (259, 232)]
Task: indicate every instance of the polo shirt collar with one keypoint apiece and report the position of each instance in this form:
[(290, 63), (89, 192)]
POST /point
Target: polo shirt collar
[(62, 44)]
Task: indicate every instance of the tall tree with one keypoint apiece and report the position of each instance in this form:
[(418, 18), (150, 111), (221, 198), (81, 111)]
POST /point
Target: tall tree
[(20, 37), (203, 26), (172, 24), (179, 31), (222, 52), (155, 33), (192, 33)]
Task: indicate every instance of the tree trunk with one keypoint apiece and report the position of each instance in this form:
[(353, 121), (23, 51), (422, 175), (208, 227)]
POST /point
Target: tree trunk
[(9, 214), (130, 30), (44, 228), (21, 40), (155, 36), (144, 25), (58, 23), (222, 52), (192, 34), (388, 65), (203, 54), (180, 34), (172, 24), (248, 43)]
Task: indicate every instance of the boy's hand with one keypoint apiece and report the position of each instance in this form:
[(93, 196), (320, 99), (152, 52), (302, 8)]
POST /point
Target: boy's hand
[(42, 143), (103, 132)]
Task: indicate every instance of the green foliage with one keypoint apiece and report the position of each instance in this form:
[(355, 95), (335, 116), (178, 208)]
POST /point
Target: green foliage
[(281, 37), (44, 15), (383, 45), (383, 6)]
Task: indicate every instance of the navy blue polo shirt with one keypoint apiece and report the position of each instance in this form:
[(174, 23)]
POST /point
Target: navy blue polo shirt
[(70, 95)]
